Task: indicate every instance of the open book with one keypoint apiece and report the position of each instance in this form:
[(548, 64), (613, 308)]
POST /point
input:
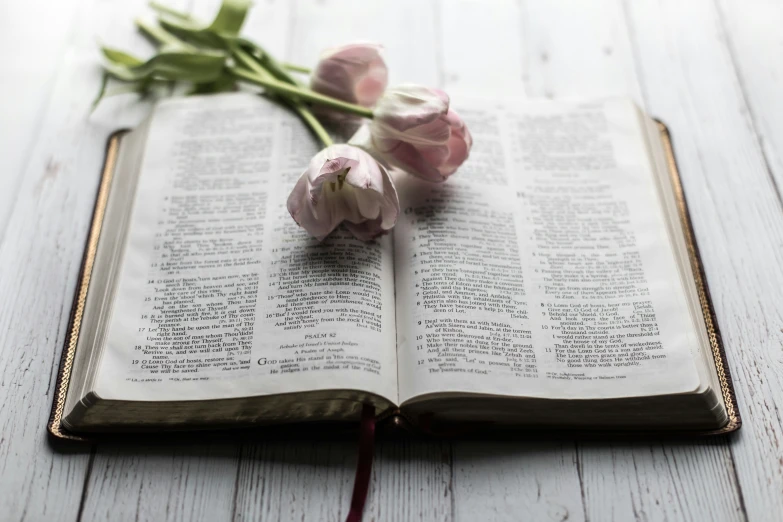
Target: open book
[(552, 282)]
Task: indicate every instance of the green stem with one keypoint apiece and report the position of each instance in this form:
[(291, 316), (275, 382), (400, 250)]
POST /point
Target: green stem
[(276, 68), (296, 68), (279, 87), (158, 34), (314, 123), (243, 58), (246, 60)]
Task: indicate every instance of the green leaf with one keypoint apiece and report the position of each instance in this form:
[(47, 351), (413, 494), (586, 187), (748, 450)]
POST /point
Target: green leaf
[(160, 36), (169, 64), (220, 33), (196, 37), (118, 57), (230, 17)]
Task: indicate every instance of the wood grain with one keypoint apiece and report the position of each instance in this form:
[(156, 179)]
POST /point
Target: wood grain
[(313, 481), (27, 84), (690, 81), (580, 50), (755, 44), (661, 481), (517, 481), (40, 254), (594, 55), (577, 50), (161, 482), (504, 481), (481, 49), (153, 483)]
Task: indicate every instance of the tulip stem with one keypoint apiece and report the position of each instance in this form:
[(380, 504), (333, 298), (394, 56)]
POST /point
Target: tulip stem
[(314, 124), (296, 68), (248, 61), (287, 89)]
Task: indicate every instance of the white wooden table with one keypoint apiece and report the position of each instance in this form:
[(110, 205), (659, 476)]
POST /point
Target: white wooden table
[(712, 70)]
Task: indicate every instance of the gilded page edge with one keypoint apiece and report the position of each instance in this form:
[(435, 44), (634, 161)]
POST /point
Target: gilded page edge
[(83, 283), (716, 342)]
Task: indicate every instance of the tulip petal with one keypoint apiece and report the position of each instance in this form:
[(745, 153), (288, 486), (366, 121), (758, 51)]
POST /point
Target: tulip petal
[(414, 128), (344, 184), (301, 209), (407, 157), (409, 106), (458, 152), (369, 205), (367, 230), (368, 89), (390, 207)]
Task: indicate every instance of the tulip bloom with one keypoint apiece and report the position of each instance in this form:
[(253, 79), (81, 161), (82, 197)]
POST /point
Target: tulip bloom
[(354, 73), (344, 184), (413, 128)]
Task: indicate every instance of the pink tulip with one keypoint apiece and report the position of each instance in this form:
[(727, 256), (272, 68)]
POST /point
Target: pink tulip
[(413, 128), (354, 73), (344, 184)]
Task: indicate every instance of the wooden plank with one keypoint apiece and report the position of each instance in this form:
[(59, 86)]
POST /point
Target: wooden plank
[(412, 480), (577, 50), (155, 483), (150, 483), (502, 481), (481, 48), (314, 480), (27, 83), (517, 481), (584, 50), (40, 255), (295, 481), (665, 481), (755, 43), (404, 27), (162, 482), (689, 80)]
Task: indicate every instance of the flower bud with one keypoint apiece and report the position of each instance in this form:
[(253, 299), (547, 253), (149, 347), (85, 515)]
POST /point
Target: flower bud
[(414, 129), (344, 184), (354, 73)]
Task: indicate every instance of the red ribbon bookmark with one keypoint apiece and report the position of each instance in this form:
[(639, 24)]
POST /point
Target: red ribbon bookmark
[(361, 484)]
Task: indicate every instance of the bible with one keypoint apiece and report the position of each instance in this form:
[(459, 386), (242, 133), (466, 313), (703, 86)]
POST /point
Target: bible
[(553, 282)]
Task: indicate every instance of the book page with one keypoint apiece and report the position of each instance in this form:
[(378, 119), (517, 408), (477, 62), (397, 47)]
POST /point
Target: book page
[(542, 268), (221, 294)]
